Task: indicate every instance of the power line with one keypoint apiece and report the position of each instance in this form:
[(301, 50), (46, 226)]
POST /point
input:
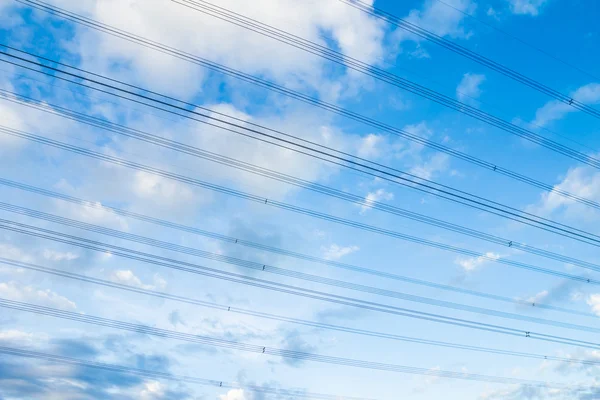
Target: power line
[(313, 324), (229, 344), (298, 182), (292, 94), (458, 49), (168, 376), (280, 287), (256, 266), (275, 250), (400, 178), (390, 78), (287, 206)]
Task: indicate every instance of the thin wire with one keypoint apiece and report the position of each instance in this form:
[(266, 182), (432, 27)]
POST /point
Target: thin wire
[(322, 189), (254, 313), (168, 376), (296, 95), (256, 266), (289, 253), (280, 287), (289, 207), (458, 196)]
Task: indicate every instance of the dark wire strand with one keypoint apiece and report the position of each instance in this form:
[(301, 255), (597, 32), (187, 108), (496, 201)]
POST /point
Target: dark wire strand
[(257, 266), (458, 49), (289, 207), (313, 324), (429, 187), (280, 287), (296, 95), (168, 376), (289, 253), (326, 190)]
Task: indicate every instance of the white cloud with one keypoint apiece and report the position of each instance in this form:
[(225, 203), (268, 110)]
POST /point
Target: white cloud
[(152, 390), (526, 7), (436, 17), (127, 277), (370, 146), (469, 86), (538, 297), (438, 162), (376, 196), (469, 264), (581, 181), (554, 109), (234, 394), (335, 252), (18, 292), (15, 253), (53, 255), (593, 301)]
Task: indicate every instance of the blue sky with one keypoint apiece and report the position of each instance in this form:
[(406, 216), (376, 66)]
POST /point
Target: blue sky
[(568, 30)]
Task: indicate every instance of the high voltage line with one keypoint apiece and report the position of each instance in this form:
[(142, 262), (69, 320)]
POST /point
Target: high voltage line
[(289, 253), (388, 77), (455, 48), (296, 95), (280, 318), (271, 351), (155, 243), (322, 153), (287, 206), (281, 177), (12, 351), (197, 269)]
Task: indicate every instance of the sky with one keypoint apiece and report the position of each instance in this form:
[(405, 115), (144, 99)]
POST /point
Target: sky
[(554, 42)]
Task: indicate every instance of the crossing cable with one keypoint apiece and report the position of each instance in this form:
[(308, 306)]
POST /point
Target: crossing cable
[(280, 318), (383, 75), (280, 287), (12, 351), (275, 250), (281, 177), (155, 243), (287, 206), (463, 51), (297, 96), (399, 178), (269, 351)]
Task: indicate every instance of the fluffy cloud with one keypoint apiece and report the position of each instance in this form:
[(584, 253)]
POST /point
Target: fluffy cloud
[(376, 196), (469, 86), (234, 394), (335, 252), (436, 163), (594, 302), (370, 146), (127, 277), (554, 109), (526, 7), (469, 264), (53, 255), (16, 291)]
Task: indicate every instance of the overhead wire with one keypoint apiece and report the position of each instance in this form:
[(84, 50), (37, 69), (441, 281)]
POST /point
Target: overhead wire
[(289, 253), (271, 269), (290, 93), (458, 49), (400, 178), (197, 269), (27, 353), (280, 318), (286, 178), (388, 77), (287, 206)]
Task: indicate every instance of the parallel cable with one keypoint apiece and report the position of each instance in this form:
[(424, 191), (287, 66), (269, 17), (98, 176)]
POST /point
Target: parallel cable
[(281, 177), (279, 251), (388, 77), (281, 287), (257, 266), (295, 95), (396, 176), (280, 318), (463, 51), (12, 351), (287, 206)]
